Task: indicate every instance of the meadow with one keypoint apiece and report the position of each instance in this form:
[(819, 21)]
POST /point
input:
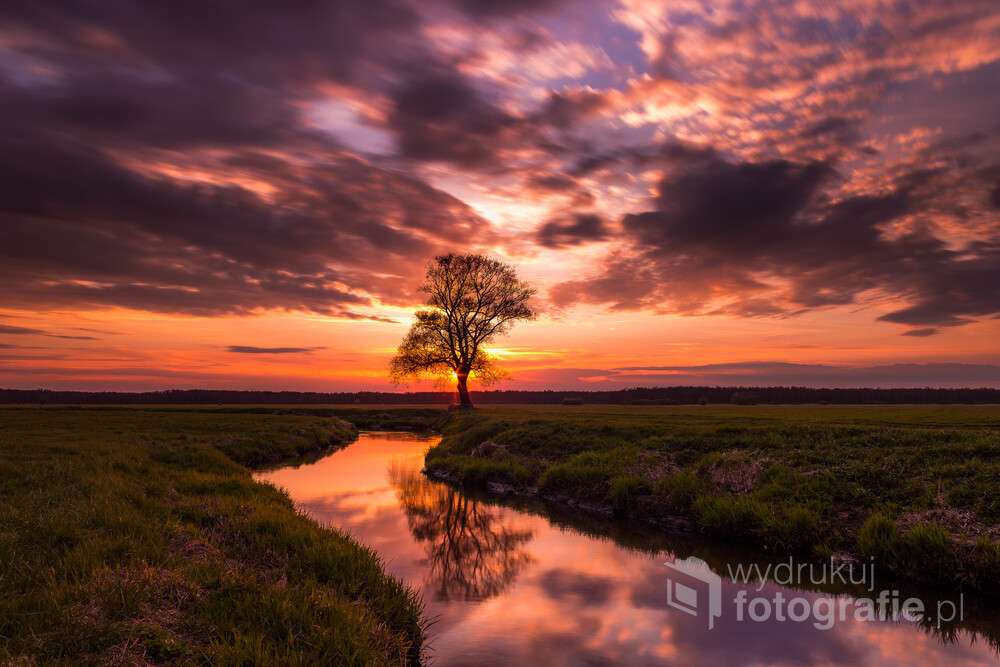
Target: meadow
[(135, 536), (915, 487)]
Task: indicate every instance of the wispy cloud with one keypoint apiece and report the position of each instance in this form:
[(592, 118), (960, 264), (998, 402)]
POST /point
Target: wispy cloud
[(28, 331), (249, 349)]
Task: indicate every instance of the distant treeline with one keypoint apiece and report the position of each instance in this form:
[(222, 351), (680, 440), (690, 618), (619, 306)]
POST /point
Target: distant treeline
[(638, 396)]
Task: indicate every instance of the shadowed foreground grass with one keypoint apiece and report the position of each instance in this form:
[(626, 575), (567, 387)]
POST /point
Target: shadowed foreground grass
[(916, 487), (133, 536)]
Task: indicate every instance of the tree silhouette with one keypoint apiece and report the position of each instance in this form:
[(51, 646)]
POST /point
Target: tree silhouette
[(473, 299), (472, 553)]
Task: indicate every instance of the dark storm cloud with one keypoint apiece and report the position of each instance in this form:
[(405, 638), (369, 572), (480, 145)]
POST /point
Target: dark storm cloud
[(552, 182), (264, 41), (157, 158), (578, 229), (591, 162), (441, 117), (249, 349), (767, 233), (839, 130), (154, 243), (733, 209), (541, 185), (126, 107), (565, 109)]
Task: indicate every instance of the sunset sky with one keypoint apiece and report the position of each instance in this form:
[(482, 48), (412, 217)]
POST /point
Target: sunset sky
[(717, 192)]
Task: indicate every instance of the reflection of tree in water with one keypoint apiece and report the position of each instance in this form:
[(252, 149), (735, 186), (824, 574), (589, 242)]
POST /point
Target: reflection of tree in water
[(472, 554)]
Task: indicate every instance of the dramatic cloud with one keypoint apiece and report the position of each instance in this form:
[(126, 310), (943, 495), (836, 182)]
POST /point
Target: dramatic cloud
[(767, 237), (154, 243), (210, 163), (442, 118), (733, 209), (740, 158), (567, 108), (581, 228), (326, 40), (179, 174)]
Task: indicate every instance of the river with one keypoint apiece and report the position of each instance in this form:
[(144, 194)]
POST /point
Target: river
[(508, 586)]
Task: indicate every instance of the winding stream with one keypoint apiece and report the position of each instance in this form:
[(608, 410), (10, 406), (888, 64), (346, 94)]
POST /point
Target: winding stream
[(512, 586)]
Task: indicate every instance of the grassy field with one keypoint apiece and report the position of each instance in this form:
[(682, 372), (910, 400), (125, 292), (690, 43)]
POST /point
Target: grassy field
[(365, 417), (137, 535), (916, 487)]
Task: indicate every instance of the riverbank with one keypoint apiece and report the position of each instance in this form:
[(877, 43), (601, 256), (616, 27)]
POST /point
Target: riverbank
[(137, 535), (915, 487)]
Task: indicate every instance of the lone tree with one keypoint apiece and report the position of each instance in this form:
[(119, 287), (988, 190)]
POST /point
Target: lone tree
[(472, 299)]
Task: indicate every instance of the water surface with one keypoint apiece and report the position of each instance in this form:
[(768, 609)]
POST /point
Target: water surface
[(522, 587)]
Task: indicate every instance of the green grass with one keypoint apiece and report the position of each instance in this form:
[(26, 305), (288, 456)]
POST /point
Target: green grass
[(138, 535), (365, 417), (916, 486), (131, 534)]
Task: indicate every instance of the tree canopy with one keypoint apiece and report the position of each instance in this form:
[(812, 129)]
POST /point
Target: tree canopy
[(471, 299)]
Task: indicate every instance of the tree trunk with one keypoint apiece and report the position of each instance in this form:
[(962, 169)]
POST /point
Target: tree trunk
[(463, 390)]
